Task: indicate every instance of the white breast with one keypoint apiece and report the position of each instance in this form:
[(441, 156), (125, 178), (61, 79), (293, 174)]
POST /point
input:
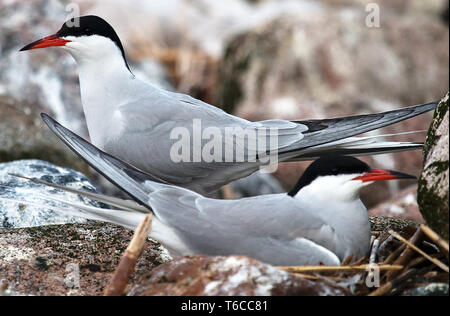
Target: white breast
[(336, 201)]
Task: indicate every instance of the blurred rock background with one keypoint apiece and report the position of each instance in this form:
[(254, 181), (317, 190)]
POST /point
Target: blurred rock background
[(264, 59)]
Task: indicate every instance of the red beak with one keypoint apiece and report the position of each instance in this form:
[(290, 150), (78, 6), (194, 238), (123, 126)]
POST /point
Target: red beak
[(49, 41), (382, 174)]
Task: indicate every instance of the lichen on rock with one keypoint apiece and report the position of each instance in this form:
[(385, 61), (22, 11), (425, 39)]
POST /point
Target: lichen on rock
[(67, 260), (433, 192)]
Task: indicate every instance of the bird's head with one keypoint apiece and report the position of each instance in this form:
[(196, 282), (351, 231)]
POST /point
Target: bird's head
[(87, 38), (340, 177)]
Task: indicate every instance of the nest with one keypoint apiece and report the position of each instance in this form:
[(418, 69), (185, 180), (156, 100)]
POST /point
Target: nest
[(399, 264)]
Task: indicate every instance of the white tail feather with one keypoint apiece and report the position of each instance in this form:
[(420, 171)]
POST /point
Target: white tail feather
[(359, 146), (123, 218), (125, 205), (371, 142)]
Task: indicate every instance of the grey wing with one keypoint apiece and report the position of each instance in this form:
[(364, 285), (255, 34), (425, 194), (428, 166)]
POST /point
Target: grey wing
[(329, 130), (152, 137), (309, 133), (118, 172), (146, 141), (270, 228)]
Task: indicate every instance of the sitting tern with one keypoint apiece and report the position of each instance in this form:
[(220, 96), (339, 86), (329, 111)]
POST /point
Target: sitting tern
[(135, 121), (322, 220)]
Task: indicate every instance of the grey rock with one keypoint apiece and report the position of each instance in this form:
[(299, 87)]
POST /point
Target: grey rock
[(434, 289), (17, 215), (433, 192)]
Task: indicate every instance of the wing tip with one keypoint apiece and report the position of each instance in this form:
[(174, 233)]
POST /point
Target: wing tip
[(45, 116), (48, 120), (428, 106)]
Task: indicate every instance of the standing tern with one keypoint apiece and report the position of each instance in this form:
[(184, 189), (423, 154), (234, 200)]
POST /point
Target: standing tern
[(142, 124), (322, 220)]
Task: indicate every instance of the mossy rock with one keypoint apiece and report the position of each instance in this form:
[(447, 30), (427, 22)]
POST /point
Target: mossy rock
[(433, 192)]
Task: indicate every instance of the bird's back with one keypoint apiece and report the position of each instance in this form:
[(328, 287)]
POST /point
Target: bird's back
[(272, 228), (187, 142)]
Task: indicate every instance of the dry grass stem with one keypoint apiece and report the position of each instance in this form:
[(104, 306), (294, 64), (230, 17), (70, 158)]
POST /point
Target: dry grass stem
[(435, 261), (365, 267), (434, 237), (406, 255), (119, 281)]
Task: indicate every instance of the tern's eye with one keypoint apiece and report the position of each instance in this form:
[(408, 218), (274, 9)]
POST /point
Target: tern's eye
[(88, 31)]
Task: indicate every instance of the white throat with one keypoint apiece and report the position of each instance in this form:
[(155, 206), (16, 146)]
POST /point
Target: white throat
[(105, 83), (342, 209)]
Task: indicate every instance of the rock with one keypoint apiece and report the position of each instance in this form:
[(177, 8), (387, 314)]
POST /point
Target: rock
[(17, 215), (437, 8), (445, 14), (401, 205), (433, 289), (72, 259), (315, 64), (25, 136), (381, 223), (187, 36), (432, 8), (48, 76), (203, 25), (229, 276), (433, 192)]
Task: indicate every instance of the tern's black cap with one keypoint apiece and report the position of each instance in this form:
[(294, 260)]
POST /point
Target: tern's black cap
[(91, 25), (329, 166)]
